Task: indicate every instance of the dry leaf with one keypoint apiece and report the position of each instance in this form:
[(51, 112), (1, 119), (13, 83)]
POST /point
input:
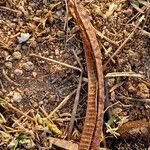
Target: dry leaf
[(63, 143)]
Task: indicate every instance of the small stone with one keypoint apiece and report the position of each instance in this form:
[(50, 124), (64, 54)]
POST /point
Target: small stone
[(60, 33), (24, 47), (18, 72), (111, 82), (16, 97), (34, 74), (12, 76), (41, 103), (1, 93), (8, 65), (128, 12), (59, 13), (35, 104), (117, 111), (106, 44), (17, 55), (28, 66), (5, 54), (143, 90)]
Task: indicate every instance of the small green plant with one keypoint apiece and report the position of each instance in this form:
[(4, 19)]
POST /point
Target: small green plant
[(113, 121), (21, 137)]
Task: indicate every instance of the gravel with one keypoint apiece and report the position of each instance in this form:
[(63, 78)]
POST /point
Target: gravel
[(18, 72), (17, 55), (16, 97), (8, 65), (28, 66)]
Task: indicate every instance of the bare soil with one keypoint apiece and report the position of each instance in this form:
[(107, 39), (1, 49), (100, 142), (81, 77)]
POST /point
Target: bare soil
[(35, 86)]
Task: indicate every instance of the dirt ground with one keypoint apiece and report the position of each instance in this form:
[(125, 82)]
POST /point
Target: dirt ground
[(41, 54)]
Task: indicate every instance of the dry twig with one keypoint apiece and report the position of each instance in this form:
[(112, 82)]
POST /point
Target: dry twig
[(144, 100), (75, 107), (57, 62), (8, 79), (123, 74), (126, 40), (64, 101)]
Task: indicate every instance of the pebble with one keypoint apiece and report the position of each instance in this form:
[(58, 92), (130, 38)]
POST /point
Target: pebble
[(1, 94), (18, 72), (17, 55), (106, 44), (5, 54), (34, 74), (24, 47), (143, 90), (28, 66), (35, 104), (16, 97), (60, 33), (41, 103), (8, 65), (59, 13)]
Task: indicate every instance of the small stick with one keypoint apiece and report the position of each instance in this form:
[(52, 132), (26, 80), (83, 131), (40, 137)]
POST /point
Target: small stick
[(106, 52), (107, 100), (16, 109), (8, 79), (57, 62), (123, 74), (16, 131), (61, 104), (77, 58), (116, 86), (145, 33), (8, 9), (126, 40), (20, 125), (76, 102), (66, 24), (144, 100), (1, 84), (110, 106), (44, 112), (19, 111), (105, 37)]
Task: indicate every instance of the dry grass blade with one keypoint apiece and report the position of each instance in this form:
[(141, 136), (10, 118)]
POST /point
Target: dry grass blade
[(63, 143), (16, 109), (8, 79), (126, 40), (123, 74), (76, 102), (106, 38), (137, 7), (146, 33), (8, 9), (57, 62), (64, 101), (144, 100), (143, 2), (116, 86)]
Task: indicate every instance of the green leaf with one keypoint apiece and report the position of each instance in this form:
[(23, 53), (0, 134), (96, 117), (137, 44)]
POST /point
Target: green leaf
[(112, 120), (22, 137)]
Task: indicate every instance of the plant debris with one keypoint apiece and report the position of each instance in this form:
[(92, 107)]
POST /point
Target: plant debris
[(56, 59)]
